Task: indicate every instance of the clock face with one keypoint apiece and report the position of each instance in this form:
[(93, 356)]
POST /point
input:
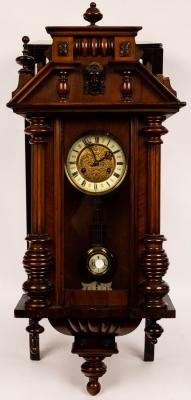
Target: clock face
[(96, 163)]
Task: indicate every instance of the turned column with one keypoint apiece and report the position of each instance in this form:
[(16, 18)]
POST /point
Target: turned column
[(154, 261), (38, 259)]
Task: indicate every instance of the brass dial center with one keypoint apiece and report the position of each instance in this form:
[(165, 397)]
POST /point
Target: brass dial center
[(96, 163)]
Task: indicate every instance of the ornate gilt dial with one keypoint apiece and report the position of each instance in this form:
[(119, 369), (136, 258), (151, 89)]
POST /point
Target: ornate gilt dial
[(96, 163)]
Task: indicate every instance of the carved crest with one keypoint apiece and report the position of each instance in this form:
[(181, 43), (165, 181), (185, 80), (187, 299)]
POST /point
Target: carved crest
[(94, 79)]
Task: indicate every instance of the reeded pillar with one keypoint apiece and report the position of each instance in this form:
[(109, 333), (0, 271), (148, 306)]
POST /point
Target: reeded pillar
[(38, 259), (154, 261)]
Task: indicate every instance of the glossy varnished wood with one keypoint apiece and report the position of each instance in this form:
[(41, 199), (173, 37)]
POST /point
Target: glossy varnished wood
[(55, 311), (129, 99)]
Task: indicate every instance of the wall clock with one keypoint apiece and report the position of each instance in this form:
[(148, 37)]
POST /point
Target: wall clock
[(94, 103)]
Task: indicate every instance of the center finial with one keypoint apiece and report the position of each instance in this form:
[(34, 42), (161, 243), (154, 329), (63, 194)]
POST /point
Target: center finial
[(92, 14)]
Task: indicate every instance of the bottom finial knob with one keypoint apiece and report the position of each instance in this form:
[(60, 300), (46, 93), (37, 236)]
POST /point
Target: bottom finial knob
[(93, 387)]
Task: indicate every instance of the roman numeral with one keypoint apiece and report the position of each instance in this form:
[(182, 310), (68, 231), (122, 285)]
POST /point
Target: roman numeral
[(86, 141), (75, 174), (108, 184), (95, 186), (83, 183), (116, 175), (120, 163), (96, 139), (108, 142), (76, 151), (116, 151), (72, 162)]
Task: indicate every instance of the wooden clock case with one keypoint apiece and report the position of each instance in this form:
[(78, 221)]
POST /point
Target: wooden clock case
[(93, 78)]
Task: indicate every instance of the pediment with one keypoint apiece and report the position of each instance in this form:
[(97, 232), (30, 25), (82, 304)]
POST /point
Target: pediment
[(42, 89)]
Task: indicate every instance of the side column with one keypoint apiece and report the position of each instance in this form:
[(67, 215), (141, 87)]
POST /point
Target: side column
[(38, 259), (154, 261)]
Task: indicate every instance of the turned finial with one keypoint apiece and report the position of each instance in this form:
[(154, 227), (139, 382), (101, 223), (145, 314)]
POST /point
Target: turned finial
[(92, 14), (25, 60), (25, 40)]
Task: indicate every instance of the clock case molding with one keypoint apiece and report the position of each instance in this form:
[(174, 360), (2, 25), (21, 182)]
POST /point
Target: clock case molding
[(93, 78)]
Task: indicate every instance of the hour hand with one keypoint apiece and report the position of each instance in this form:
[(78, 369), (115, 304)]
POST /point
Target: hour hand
[(90, 148)]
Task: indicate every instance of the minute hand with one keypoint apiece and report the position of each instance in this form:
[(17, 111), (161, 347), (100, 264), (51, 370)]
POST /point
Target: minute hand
[(108, 155)]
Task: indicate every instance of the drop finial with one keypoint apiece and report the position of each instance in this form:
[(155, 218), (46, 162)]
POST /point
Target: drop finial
[(92, 14)]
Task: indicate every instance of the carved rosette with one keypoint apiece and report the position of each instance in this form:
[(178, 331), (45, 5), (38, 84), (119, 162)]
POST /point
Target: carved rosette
[(154, 261), (38, 259), (63, 48)]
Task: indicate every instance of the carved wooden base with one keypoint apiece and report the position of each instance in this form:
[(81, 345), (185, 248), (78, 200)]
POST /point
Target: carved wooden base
[(152, 333), (94, 349), (94, 331), (34, 330)]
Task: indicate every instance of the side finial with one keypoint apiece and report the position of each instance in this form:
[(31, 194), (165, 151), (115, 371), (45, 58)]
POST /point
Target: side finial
[(27, 62), (25, 40), (92, 14)]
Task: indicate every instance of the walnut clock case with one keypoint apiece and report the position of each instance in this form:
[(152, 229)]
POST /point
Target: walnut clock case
[(94, 104)]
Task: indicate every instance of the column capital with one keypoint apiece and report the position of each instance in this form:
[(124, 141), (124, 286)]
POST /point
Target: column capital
[(154, 129), (38, 130)]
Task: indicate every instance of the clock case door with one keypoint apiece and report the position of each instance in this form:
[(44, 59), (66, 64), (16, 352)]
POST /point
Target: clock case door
[(77, 212), (72, 212)]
